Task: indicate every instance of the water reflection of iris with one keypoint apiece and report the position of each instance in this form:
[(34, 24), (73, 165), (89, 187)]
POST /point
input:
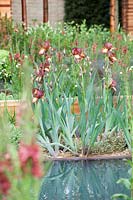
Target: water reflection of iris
[(83, 180)]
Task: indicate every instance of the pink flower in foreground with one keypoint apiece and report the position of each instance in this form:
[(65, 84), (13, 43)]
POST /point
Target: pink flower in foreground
[(5, 164), (5, 184), (29, 159)]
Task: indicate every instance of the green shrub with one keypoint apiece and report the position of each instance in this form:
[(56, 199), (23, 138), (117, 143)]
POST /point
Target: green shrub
[(94, 12)]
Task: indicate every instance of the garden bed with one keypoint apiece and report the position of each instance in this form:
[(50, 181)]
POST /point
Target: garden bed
[(63, 72)]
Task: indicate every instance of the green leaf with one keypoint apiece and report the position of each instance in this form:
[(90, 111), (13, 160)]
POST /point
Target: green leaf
[(3, 55), (46, 143), (125, 182), (124, 128), (122, 196)]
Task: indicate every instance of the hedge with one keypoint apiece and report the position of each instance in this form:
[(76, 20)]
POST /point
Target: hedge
[(93, 11)]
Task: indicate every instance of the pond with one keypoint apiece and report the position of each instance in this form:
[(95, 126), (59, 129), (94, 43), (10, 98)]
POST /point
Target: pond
[(84, 180)]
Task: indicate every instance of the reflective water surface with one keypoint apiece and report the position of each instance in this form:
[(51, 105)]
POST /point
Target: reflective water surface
[(84, 180)]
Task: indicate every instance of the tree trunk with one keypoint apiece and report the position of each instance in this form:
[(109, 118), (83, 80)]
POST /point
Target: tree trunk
[(45, 11), (24, 14)]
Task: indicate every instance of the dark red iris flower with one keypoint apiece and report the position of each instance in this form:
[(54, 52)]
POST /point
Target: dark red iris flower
[(46, 45), (112, 56), (94, 47), (124, 50), (29, 159), (78, 53), (42, 51), (45, 48), (5, 184), (107, 47), (10, 57), (39, 74), (119, 37), (37, 94), (59, 56), (113, 85), (108, 50), (42, 70), (17, 57), (45, 66)]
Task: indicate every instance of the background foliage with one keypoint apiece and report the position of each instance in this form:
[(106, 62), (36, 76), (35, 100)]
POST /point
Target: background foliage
[(94, 12)]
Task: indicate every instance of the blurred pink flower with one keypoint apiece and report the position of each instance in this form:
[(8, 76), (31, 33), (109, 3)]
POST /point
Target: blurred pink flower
[(29, 159), (5, 184)]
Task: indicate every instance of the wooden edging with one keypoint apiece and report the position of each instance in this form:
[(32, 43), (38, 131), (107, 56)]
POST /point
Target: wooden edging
[(9, 105), (76, 109), (9, 102), (90, 158)]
